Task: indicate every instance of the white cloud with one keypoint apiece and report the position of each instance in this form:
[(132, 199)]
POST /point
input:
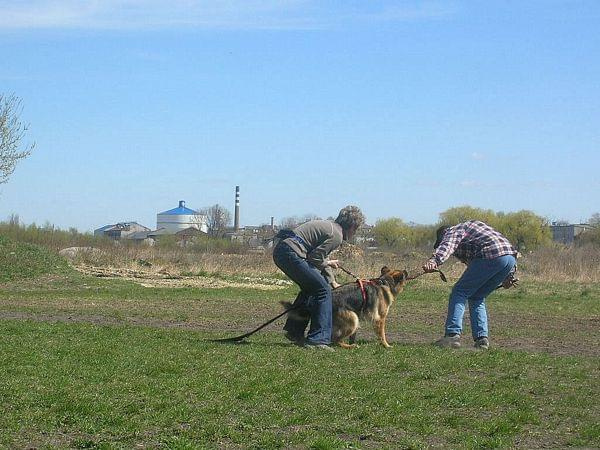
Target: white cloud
[(470, 184), (477, 156), (211, 14)]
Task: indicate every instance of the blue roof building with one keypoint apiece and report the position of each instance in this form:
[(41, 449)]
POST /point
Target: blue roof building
[(180, 218), (180, 210)]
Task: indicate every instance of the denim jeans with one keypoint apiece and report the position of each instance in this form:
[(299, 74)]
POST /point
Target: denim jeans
[(481, 277), (315, 293)]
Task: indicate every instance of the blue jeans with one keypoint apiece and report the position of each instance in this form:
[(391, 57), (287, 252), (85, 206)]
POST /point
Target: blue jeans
[(481, 277), (315, 293)]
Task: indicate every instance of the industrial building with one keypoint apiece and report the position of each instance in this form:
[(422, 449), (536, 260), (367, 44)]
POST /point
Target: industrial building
[(567, 233), (179, 219), (186, 224), (123, 230)]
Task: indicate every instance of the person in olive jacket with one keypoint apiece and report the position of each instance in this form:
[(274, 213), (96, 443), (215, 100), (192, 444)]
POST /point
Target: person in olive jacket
[(303, 255)]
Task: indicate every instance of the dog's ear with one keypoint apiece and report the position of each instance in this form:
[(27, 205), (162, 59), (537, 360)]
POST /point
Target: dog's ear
[(385, 269), (400, 275)]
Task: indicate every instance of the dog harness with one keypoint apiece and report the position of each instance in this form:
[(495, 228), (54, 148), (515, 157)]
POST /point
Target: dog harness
[(363, 291)]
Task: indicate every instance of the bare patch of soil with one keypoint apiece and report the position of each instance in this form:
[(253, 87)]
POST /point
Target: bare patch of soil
[(111, 321), (578, 338), (163, 278), (566, 336), (555, 334)]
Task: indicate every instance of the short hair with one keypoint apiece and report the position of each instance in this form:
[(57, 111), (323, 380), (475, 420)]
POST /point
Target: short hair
[(439, 235), (350, 216)]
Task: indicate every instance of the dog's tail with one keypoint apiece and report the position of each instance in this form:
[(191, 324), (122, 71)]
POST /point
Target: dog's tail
[(295, 313)]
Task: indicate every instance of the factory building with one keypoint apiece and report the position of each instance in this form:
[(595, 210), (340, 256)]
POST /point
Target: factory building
[(123, 230), (179, 219)]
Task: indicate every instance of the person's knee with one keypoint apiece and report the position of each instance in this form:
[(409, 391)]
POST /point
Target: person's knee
[(323, 289), (324, 294), (459, 294)]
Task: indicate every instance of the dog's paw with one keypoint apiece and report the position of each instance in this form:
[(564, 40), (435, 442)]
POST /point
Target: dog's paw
[(347, 346)]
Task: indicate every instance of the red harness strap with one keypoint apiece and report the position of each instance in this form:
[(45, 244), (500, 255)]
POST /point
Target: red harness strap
[(363, 291)]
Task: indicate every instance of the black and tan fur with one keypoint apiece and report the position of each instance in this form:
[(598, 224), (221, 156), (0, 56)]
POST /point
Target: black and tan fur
[(349, 306)]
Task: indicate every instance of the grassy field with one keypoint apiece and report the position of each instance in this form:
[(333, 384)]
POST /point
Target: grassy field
[(95, 363)]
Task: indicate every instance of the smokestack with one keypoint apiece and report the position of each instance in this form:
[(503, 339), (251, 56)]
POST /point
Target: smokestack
[(236, 223), (272, 223)]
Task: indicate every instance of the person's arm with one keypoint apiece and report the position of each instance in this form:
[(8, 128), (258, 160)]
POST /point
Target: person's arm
[(320, 238), (451, 240), (330, 237), (319, 256), (329, 275)]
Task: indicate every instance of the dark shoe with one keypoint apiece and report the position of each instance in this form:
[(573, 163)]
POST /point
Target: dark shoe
[(324, 347), (296, 339), (483, 343), (448, 342)]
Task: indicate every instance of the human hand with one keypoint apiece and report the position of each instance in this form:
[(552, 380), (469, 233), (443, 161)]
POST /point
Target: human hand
[(335, 263), (510, 282), (429, 266), (335, 284)]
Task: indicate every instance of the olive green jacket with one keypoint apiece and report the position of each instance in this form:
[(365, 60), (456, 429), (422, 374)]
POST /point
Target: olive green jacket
[(322, 237)]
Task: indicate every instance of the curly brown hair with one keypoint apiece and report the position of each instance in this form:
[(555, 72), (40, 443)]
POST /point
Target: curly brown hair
[(350, 216)]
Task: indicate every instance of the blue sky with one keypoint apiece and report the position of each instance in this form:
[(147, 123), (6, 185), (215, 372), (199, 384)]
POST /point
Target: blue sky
[(404, 108)]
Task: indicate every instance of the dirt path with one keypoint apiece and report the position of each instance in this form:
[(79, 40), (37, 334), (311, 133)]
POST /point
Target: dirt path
[(580, 338), (408, 324), (164, 278)]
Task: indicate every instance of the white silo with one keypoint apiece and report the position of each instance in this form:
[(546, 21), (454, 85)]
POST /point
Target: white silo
[(180, 218)]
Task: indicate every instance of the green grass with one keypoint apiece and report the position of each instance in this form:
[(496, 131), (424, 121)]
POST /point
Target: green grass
[(87, 386), (96, 363), (20, 260)]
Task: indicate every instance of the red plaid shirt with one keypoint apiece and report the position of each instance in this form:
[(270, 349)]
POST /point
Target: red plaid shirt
[(470, 240)]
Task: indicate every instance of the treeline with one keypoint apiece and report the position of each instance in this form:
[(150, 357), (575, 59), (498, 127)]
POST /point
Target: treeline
[(55, 238), (525, 229), (48, 235)]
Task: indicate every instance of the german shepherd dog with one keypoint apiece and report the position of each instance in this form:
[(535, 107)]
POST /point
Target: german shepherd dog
[(352, 302)]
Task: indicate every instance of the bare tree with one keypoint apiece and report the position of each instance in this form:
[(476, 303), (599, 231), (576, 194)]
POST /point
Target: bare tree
[(290, 222), (217, 219), (13, 220), (12, 131), (293, 221), (595, 219)]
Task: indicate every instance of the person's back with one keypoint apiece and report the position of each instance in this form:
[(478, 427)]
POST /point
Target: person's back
[(470, 240), (315, 232), (302, 254), (491, 261)]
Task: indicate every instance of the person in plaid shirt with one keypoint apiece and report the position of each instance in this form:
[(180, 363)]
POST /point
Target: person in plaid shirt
[(491, 261)]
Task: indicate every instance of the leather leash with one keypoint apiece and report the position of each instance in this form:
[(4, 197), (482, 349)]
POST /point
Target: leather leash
[(349, 273), (442, 276), (244, 336)]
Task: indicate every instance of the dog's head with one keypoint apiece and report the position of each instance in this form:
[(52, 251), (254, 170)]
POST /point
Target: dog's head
[(395, 279)]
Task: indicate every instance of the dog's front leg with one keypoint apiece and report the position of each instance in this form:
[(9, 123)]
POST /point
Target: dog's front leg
[(348, 346), (380, 331), (352, 338)]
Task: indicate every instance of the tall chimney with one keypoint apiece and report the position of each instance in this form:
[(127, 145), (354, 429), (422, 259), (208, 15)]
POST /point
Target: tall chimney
[(236, 223), (272, 223)]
